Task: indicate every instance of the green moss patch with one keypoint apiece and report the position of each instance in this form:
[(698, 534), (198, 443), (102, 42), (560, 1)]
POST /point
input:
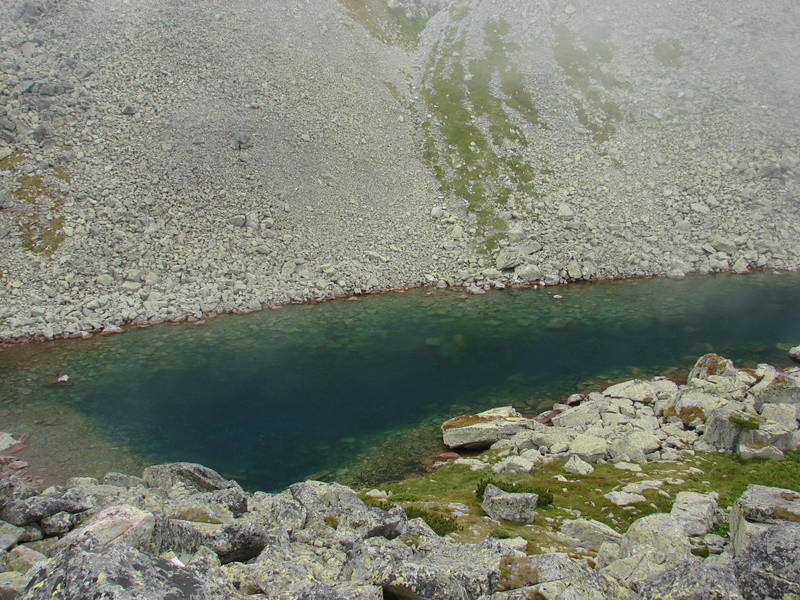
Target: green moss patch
[(584, 496), (583, 61), (389, 25), (474, 140), (744, 423), (9, 162)]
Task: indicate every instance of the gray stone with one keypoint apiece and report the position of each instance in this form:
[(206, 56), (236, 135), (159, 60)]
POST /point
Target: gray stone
[(122, 573), (768, 566), (58, 524), (794, 354), (589, 447), (624, 498), (721, 433), (506, 506), (35, 508), (485, 428), (508, 259), (588, 533), (514, 464), (124, 524), (237, 542), (579, 417), (12, 585), (336, 501), (560, 577), (6, 439), (578, 467), (635, 389), (634, 445), (660, 532), (189, 480), (22, 559), (692, 581), (758, 508), (9, 535), (695, 512)]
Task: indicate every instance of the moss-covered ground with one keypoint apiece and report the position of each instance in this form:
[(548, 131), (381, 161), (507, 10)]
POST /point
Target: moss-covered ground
[(473, 139), (40, 229), (575, 495), (389, 25)]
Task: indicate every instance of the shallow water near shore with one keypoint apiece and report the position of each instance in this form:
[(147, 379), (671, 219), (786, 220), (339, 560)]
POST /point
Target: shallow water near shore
[(355, 391)]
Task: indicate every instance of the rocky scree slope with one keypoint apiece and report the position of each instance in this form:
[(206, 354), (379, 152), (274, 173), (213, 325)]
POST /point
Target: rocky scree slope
[(164, 160)]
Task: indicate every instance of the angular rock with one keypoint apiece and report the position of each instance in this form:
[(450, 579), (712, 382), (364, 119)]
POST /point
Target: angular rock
[(721, 433), (336, 501), (576, 466), (514, 464), (634, 445), (759, 508), (635, 389), (122, 573), (10, 535), (775, 387), (485, 428), (23, 558), (794, 354), (695, 512), (35, 508), (589, 533), (560, 577), (448, 572), (624, 498), (277, 511), (692, 581), (589, 448), (182, 480), (518, 507), (12, 585), (239, 541), (768, 566), (124, 524), (579, 417)]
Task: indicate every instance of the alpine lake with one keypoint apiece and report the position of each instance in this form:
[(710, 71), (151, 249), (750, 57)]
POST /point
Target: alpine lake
[(355, 391)]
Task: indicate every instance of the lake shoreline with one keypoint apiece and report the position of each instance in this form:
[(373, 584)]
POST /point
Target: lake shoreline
[(122, 326)]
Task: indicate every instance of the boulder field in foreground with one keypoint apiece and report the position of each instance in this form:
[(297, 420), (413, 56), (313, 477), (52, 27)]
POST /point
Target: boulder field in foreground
[(181, 531)]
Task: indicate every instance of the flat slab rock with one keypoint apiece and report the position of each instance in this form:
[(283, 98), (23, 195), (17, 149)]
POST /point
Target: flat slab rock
[(484, 429)]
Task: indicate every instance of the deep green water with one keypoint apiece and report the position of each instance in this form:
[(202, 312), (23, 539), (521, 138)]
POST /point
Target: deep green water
[(355, 391)]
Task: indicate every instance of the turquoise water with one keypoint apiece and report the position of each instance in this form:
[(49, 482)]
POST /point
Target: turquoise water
[(355, 391)]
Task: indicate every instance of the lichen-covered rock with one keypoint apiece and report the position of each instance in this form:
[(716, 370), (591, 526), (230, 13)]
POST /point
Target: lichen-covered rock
[(562, 578), (695, 512), (448, 572), (576, 466), (23, 558), (721, 432), (718, 376), (119, 572), (35, 508), (518, 507), (13, 584), (768, 566), (10, 535), (589, 533), (238, 541), (340, 503), (634, 446), (794, 354), (692, 581), (184, 480), (589, 448), (125, 524), (775, 387), (485, 428), (514, 464), (578, 418), (277, 511), (759, 508)]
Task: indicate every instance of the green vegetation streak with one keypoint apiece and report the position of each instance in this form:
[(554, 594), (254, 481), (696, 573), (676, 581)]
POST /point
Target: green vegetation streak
[(389, 25), (484, 170), (582, 60)]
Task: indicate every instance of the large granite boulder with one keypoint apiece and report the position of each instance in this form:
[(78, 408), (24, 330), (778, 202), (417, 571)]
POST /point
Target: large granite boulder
[(579, 418), (559, 577), (588, 533), (192, 483), (696, 512), (692, 581), (759, 508), (722, 431), (119, 572), (769, 567), (634, 446), (277, 511), (718, 376), (485, 428), (35, 508), (125, 524), (651, 545), (518, 507), (589, 448), (340, 505), (448, 572), (635, 389), (775, 387)]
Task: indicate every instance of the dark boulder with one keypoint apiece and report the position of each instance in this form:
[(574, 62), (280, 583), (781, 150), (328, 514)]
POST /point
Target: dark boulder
[(769, 567), (36, 508), (188, 479)]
